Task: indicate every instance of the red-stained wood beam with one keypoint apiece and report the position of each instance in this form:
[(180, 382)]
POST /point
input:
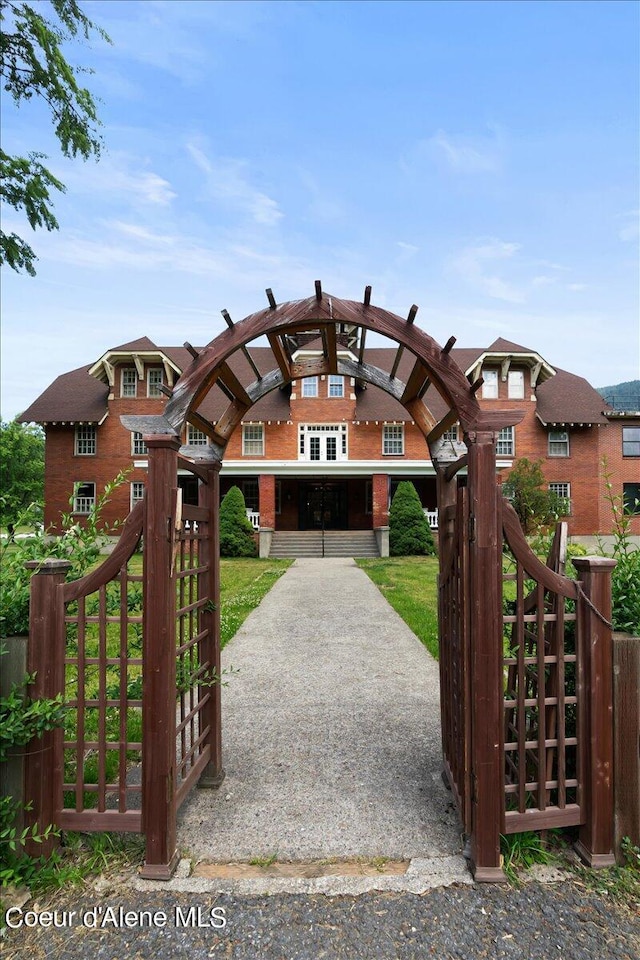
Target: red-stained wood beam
[(200, 423), (367, 296), (227, 377), (280, 354), (318, 287), (416, 380)]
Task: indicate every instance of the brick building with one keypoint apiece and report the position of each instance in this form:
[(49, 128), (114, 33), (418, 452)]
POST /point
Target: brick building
[(327, 452)]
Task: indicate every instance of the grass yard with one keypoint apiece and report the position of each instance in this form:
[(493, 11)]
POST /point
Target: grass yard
[(243, 584), (410, 584)]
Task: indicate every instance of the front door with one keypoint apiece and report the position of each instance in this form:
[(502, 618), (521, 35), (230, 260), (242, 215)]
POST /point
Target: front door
[(323, 505)]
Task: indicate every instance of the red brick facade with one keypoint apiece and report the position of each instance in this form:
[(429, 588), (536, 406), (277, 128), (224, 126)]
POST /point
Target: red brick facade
[(324, 456)]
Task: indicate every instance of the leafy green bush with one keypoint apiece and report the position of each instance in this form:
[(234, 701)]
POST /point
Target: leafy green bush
[(625, 580), (409, 530), (79, 544), (236, 532)]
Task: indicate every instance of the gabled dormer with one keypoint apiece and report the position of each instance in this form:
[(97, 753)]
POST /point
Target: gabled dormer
[(521, 369), (135, 370)]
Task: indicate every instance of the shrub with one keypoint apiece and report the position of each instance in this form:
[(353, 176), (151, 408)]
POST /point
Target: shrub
[(525, 489), (409, 530), (236, 532), (625, 580)]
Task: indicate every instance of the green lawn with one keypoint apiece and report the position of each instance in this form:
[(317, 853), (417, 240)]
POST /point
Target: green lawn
[(410, 584), (243, 584)]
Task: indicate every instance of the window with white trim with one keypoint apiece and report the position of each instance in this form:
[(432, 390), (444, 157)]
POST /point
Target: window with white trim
[(138, 446), (137, 492), (155, 379), (336, 386), (490, 385), (84, 497), (195, 437), (558, 443), (252, 440), (515, 385), (505, 445), (310, 387), (322, 441), (85, 440), (631, 442), (451, 435), (393, 440), (128, 382), (563, 491)]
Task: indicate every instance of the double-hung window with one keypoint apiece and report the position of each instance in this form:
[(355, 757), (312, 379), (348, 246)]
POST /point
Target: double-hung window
[(490, 385), (85, 440), (155, 379), (515, 385), (631, 441), (253, 440), (84, 497), (195, 437), (563, 491), (558, 443), (128, 382), (138, 446), (310, 387), (336, 386), (505, 445), (393, 440), (137, 492)]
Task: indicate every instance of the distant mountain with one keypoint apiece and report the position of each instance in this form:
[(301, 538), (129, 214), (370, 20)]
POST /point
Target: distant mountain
[(622, 396)]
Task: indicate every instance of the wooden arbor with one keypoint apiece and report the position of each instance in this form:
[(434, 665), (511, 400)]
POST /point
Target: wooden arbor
[(521, 749), (337, 322)]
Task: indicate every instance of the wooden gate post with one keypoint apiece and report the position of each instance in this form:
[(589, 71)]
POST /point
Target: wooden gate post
[(209, 496), (159, 662), (44, 760), (485, 576), (595, 697)]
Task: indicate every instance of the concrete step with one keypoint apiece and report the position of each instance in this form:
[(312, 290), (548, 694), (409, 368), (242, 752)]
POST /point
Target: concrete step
[(337, 543)]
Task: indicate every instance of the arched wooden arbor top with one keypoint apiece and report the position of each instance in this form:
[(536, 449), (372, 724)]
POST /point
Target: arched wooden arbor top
[(340, 325)]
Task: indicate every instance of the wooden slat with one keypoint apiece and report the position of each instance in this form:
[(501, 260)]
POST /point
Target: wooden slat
[(329, 337), (280, 354), (271, 298), (396, 362), (367, 296), (230, 419), (228, 377), (415, 382), (445, 424)]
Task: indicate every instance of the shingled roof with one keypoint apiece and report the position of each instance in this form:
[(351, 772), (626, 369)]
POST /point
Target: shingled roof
[(77, 396)]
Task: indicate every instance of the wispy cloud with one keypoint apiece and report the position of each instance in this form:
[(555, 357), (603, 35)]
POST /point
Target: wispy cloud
[(121, 175), (477, 266), (228, 181), (469, 154)]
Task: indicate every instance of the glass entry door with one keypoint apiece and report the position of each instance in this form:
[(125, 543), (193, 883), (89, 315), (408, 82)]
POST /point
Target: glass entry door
[(323, 505)]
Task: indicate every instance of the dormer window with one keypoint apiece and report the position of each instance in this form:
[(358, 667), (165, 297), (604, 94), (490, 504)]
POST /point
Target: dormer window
[(128, 382), (515, 385), (155, 379), (490, 385)]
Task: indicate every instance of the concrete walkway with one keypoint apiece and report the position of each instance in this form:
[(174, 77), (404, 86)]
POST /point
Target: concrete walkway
[(331, 732)]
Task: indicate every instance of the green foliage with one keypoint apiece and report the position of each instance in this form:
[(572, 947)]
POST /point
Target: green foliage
[(33, 65), (409, 530), (79, 544), (243, 584), (625, 580), (410, 586), (21, 469), (525, 488), (236, 532), (520, 851)]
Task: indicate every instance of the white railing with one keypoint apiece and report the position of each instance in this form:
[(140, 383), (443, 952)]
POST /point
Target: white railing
[(432, 517), (254, 517)]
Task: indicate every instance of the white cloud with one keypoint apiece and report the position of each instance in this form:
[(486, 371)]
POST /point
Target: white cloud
[(468, 155), (228, 181), (120, 174), (477, 266)]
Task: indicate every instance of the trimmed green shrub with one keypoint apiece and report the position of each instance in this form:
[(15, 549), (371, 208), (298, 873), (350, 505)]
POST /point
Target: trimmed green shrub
[(236, 532), (409, 530)]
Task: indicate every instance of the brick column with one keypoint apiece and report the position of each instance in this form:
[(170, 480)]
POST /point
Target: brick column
[(267, 500), (380, 494)]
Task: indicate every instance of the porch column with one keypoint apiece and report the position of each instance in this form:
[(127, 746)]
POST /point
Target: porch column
[(209, 497), (595, 841), (485, 571), (380, 494), (267, 500), (159, 661), (44, 755)]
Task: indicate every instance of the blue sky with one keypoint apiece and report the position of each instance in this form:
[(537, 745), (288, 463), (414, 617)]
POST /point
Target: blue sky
[(478, 159)]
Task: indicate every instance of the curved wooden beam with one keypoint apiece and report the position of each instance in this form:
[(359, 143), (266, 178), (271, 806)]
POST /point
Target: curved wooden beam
[(129, 538), (555, 582)]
